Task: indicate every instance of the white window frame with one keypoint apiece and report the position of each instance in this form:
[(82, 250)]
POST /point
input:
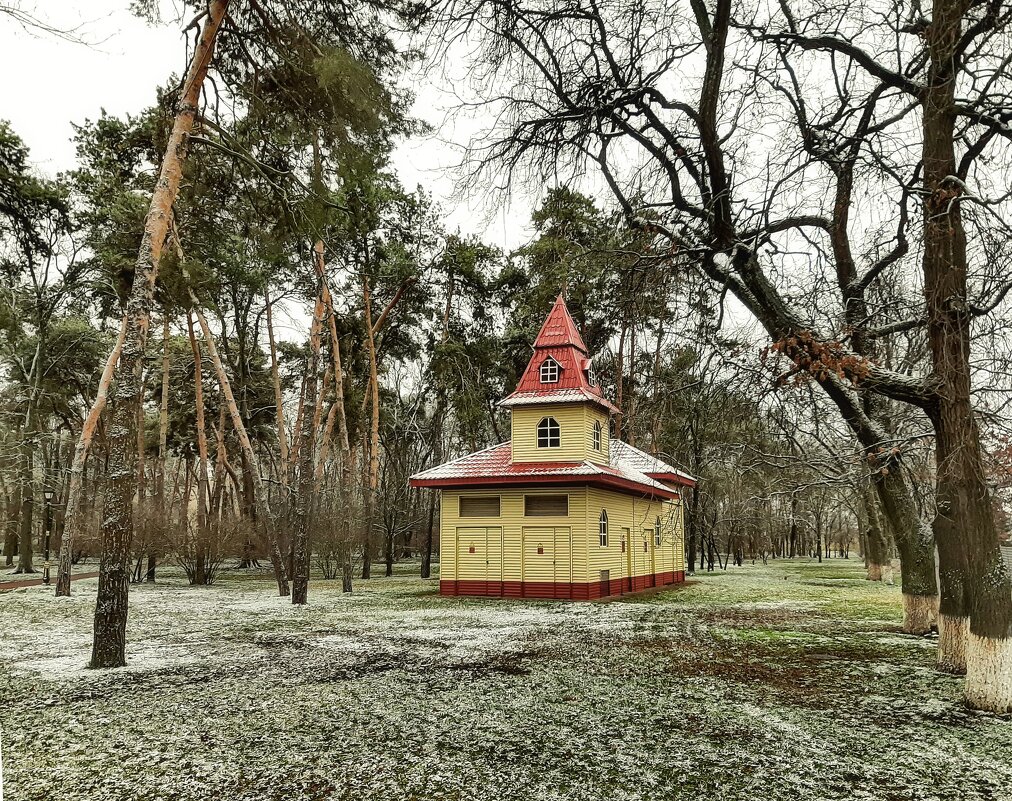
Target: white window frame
[(550, 370), (602, 529), (546, 435), (598, 435), (657, 533)]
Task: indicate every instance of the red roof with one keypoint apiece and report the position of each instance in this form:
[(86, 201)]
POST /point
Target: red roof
[(559, 340), (495, 466), (559, 328)]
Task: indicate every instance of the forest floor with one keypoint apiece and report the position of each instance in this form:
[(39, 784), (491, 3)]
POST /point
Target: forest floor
[(785, 681)]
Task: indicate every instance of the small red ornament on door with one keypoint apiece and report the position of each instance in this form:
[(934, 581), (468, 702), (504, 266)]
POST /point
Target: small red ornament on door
[(471, 549), (541, 549)]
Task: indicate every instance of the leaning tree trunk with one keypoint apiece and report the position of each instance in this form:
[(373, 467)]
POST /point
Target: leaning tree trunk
[(963, 496), (109, 645), (264, 516), (71, 508)]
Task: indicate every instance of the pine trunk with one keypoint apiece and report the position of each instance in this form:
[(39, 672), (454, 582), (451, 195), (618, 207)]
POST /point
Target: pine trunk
[(109, 645), (203, 545), (71, 514), (307, 457)]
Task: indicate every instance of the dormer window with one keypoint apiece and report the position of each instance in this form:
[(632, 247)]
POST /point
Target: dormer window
[(590, 375), (597, 435), (550, 371), (549, 433)]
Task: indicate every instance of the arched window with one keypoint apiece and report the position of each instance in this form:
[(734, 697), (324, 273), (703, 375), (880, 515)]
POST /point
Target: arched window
[(597, 435), (549, 371), (657, 532), (602, 529), (549, 433)]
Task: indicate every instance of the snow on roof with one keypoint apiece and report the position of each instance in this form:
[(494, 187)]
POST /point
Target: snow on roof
[(572, 395), (647, 464), (495, 465), (560, 341)]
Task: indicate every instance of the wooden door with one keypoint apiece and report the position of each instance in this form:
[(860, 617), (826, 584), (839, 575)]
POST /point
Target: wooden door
[(479, 560), (538, 564)]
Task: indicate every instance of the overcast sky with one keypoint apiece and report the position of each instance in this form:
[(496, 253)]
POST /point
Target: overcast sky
[(49, 83)]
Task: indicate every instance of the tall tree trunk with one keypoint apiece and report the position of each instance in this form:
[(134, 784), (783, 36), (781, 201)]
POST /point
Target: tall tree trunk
[(71, 511), (203, 524), (109, 645), (307, 455), (370, 504), (26, 469), (963, 496), (163, 439)]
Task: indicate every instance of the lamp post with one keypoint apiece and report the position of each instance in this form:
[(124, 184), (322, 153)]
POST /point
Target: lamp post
[(48, 495)]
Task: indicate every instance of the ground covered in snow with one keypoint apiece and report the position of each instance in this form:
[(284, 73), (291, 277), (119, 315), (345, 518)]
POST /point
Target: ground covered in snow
[(770, 682)]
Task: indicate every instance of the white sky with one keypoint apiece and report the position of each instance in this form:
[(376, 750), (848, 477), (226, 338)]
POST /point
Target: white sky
[(49, 83)]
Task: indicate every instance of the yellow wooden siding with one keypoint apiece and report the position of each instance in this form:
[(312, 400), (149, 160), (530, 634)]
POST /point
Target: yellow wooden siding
[(512, 522), (599, 415), (516, 548), (572, 419)]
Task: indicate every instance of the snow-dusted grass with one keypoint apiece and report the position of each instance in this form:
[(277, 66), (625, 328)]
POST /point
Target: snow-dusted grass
[(780, 682)]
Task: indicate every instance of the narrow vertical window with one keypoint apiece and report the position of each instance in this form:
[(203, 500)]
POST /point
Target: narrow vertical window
[(597, 435), (657, 532), (602, 529), (549, 371), (549, 433)]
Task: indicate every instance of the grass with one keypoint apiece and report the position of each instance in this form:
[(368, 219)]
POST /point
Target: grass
[(784, 681)]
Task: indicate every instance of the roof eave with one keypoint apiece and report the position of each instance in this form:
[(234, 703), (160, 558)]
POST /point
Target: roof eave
[(601, 480), (675, 478)]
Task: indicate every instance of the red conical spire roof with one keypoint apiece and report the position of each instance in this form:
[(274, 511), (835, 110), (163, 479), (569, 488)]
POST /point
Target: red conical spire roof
[(569, 381), (559, 329)]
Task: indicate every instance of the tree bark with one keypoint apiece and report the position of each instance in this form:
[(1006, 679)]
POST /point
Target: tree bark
[(963, 495), (370, 504), (307, 456), (109, 645), (71, 508), (202, 550)]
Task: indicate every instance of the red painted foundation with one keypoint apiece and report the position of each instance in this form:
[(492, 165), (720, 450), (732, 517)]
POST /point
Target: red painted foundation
[(558, 590)]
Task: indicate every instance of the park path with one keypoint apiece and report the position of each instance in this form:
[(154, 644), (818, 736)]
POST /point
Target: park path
[(13, 585)]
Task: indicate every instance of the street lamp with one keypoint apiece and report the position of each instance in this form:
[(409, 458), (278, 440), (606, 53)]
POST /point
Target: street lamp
[(48, 494)]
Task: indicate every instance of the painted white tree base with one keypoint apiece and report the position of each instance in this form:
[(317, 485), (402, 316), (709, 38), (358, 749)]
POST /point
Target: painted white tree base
[(952, 640), (989, 673), (919, 613)]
